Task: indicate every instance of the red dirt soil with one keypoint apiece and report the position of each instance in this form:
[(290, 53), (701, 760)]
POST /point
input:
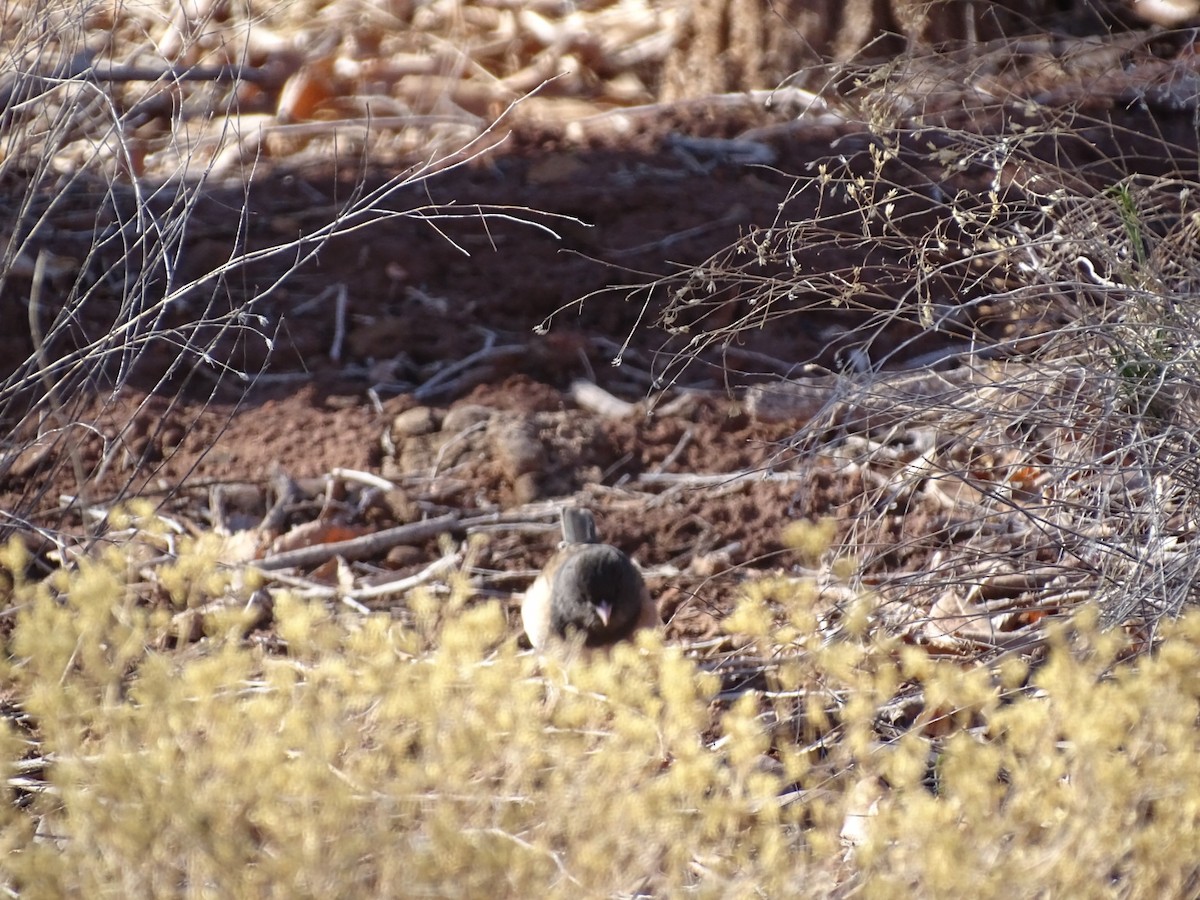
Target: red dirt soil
[(424, 295)]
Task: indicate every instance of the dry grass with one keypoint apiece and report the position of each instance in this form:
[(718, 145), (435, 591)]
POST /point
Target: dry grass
[(1018, 392), (361, 756)]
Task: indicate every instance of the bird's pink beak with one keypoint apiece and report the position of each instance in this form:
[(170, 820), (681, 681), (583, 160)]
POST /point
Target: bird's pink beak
[(604, 608)]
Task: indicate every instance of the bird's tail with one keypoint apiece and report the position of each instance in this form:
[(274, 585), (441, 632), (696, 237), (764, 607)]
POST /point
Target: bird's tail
[(579, 526)]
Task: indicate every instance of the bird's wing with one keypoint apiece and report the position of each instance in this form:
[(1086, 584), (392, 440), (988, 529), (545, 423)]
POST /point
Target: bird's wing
[(535, 609)]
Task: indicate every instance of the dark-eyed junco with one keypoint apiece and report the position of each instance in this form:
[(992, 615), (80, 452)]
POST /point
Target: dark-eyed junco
[(588, 590)]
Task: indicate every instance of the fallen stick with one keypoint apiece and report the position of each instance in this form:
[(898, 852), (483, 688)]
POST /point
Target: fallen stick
[(367, 545), (380, 541), (354, 596), (698, 480), (596, 399)]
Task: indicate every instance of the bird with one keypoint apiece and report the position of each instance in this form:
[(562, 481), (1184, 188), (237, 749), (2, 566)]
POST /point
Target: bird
[(588, 591)]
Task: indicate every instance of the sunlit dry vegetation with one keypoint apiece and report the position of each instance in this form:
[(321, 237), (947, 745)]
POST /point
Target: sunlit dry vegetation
[(1043, 449), (354, 756)]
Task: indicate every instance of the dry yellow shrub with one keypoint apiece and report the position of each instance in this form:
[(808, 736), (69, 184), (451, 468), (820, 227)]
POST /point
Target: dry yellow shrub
[(357, 763)]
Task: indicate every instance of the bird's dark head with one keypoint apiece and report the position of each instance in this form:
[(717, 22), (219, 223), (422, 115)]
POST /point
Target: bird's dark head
[(597, 594)]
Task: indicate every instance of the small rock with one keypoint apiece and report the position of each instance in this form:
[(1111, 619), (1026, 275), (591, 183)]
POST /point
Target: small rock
[(401, 506), (402, 556), (391, 469), (416, 421), (527, 488), (419, 452), (517, 448), (460, 418)]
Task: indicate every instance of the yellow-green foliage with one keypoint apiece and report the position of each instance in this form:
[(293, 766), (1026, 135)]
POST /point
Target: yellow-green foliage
[(362, 763)]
